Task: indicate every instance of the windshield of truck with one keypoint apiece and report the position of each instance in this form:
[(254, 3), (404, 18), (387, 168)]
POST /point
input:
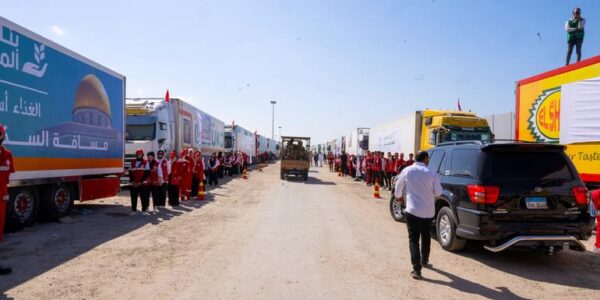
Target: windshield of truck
[(526, 165), (228, 140), (464, 135), (145, 132)]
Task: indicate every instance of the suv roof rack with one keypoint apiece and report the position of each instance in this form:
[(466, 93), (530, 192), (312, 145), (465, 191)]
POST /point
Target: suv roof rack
[(474, 142)]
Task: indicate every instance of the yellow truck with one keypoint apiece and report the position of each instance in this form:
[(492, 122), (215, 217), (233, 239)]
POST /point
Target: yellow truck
[(563, 106), (424, 129)]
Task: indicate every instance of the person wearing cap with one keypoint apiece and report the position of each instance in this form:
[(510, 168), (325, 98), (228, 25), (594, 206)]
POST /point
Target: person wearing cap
[(174, 170), (7, 167), (575, 32), (138, 176), (163, 175), (155, 181), (213, 169)]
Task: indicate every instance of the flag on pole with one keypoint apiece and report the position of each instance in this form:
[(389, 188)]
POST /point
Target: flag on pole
[(167, 96), (459, 108)]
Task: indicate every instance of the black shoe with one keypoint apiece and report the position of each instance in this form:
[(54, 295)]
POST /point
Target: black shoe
[(416, 275), (426, 265), (5, 271)]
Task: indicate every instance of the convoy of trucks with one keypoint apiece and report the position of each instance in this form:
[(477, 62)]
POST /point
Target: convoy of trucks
[(425, 129), (154, 123), (64, 116), (561, 106)]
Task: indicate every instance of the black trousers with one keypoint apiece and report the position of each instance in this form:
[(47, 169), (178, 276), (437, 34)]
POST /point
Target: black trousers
[(162, 194), (418, 228), (344, 169), (195, 183), (388, 179), (212, 178), (173, 190), (155, 191), (577, 44), (144, 193)]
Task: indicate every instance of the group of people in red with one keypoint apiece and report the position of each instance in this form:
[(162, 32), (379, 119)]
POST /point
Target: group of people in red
[(178, 176), (374, 166)]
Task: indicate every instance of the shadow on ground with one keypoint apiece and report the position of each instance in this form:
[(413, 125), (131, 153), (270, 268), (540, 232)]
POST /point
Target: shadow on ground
[(42, 247)]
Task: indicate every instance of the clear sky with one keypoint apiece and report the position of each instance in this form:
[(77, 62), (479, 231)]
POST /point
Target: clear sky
[(330, 65)]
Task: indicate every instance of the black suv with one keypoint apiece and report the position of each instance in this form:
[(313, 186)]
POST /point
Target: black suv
[(508, 194)]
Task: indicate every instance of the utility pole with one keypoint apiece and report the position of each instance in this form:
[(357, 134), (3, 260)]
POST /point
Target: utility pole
[(273, 121)]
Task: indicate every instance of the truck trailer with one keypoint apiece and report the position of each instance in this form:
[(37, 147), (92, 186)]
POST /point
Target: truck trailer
[(561, 106), (357, 142), (64, 116), (424, 129), (238, 138)]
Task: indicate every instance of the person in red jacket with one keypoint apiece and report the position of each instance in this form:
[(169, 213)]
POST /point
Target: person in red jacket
[(186, 175), (198, 171), (378, 168), (7, 167), (400, 164), (138, 176), (595, 195), (174, 169), (154, 180), (369, 168), (163, 175), (410, 160)]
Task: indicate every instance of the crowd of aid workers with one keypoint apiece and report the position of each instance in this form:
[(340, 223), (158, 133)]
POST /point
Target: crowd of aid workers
[(178, 176)]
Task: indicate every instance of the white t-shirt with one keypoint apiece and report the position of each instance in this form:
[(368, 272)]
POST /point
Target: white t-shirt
[(422, 186)]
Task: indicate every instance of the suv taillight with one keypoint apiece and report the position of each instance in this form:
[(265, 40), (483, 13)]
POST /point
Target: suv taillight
[(483, 194), (580, 194)]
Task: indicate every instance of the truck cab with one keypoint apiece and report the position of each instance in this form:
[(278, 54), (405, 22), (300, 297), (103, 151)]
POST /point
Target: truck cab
[(438, 126), (147, 127)]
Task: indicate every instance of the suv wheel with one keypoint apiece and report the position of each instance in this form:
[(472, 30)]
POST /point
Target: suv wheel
[(397, 209), (446, 231)]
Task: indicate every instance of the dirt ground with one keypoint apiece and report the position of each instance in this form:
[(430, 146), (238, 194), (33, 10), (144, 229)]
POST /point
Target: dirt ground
[(264, 238)]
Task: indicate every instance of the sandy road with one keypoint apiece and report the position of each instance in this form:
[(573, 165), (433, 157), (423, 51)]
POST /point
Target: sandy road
[(270, 239)]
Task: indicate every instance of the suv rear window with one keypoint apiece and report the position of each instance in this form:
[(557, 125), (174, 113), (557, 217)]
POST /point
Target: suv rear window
[(527, 166), (464, 162)]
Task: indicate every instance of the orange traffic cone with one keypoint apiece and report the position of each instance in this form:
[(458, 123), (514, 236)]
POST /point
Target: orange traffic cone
[(376, 193), (245, 174), (201, 192), (260, 168)]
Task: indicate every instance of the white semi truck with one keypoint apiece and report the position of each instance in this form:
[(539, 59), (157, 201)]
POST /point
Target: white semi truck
[(153, 123)]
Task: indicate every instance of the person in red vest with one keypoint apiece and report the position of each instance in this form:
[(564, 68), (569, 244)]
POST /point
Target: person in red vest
[(184, 167), (390, 170), (245, 161), (154, 179), (174, 170), (369, 167), (595, 195), (266, 157), (410, 160), (138, 176), (330, 159), (378, 168), (400, 164), (7, 167), (190, 174), (163, 175), (198, 171)]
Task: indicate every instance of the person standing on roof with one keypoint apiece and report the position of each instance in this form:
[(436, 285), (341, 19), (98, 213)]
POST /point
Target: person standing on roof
[(420, 186), (575, 32)]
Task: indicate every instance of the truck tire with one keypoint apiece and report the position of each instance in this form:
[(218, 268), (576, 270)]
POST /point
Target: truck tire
[(22, 208), (306, 176), (57, 201), (397, 209), (445, 226), (282, 175)]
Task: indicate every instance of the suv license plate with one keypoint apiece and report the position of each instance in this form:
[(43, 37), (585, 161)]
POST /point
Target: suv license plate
[(536, 203)]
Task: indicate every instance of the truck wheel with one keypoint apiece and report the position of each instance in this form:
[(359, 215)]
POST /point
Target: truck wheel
[(282, 175), (306, 176), (57, 202), (397, 209), (446, 231), (22, 208)]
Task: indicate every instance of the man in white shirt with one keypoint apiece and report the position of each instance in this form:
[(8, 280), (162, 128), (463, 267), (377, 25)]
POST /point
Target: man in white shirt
[(418, 186)]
